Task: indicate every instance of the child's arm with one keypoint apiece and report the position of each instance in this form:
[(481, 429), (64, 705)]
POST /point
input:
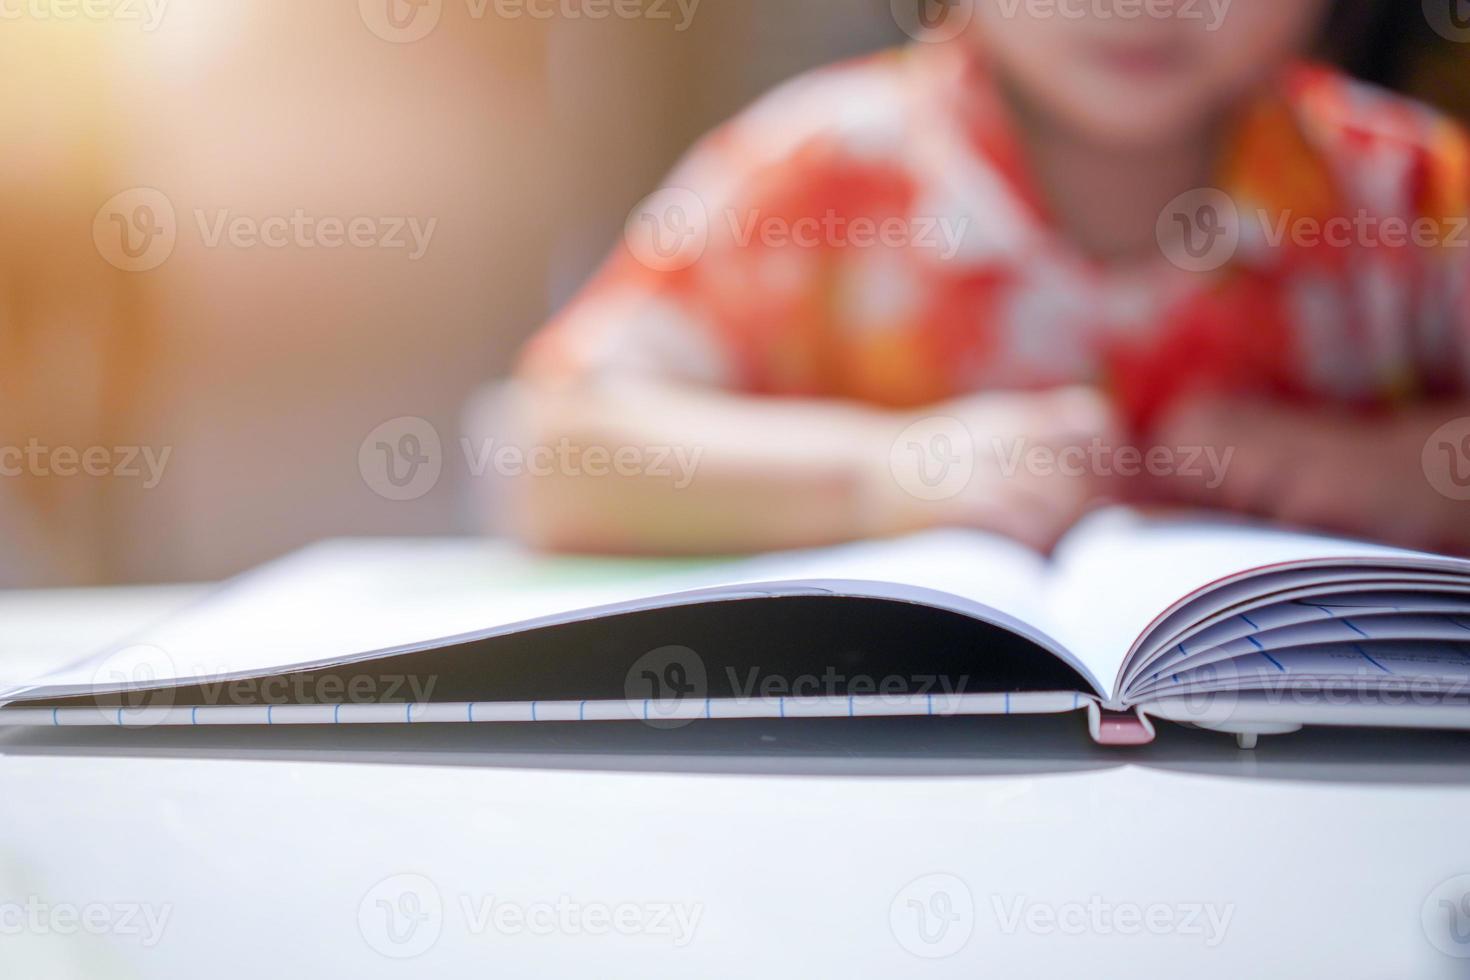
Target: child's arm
[(1371, 477), (742, 473)]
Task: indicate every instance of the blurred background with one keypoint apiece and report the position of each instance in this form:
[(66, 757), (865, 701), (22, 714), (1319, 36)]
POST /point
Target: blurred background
[(514, 136)]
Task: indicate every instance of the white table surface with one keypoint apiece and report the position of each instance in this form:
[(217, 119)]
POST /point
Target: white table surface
[(790, 848)]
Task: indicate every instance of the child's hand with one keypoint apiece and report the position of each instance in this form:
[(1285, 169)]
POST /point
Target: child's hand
[(1028, 458), (1317, 469)]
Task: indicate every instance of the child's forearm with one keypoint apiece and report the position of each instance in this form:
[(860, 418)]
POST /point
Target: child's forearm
[(701, 471), (1380, 478), (725, 472)]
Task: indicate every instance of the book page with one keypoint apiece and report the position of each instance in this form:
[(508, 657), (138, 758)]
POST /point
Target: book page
[(1120, 570), (349, 600)]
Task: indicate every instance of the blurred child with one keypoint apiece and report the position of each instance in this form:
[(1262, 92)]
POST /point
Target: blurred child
[(1014, 229)]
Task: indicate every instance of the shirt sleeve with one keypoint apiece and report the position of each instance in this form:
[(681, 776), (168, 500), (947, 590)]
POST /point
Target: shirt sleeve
[(724, 276), (1443, 186)]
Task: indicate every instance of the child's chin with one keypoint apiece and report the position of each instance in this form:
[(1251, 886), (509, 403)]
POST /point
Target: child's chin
[(1140, 120)]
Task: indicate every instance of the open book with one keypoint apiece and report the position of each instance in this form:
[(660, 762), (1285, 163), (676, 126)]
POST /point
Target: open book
[(1219, 624)]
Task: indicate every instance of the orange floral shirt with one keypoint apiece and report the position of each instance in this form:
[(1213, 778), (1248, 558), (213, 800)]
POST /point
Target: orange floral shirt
[(869, 231)]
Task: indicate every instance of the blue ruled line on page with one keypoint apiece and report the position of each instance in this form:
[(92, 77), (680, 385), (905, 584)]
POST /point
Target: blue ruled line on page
[(1349, 624), (1183, 652), (1250, 622), (1359, 647), (1274, 662)]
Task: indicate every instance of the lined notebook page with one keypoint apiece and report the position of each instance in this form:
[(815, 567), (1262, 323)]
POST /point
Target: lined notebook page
[(339, 600)]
